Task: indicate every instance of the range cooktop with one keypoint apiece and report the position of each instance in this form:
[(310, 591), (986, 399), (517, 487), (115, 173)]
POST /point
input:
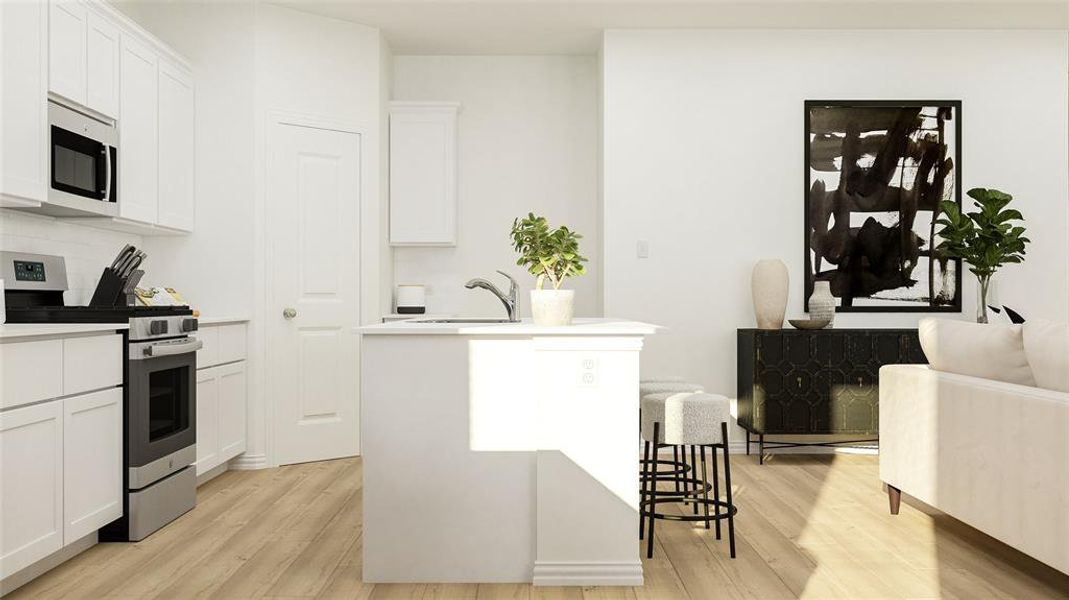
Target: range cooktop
[(90, 314)]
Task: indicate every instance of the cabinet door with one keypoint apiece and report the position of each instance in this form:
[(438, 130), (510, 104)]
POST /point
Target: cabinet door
[(92, 462), (23, 99), (423, 175), (176, 153), (66, 49), (138, 176), (207, 420), (102, 65), (232, 411), (31, 498)]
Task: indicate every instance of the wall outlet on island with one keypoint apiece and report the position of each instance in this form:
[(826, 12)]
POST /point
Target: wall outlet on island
[(643, 248), (588, 372)]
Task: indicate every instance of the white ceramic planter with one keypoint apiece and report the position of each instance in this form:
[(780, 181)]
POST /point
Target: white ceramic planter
[(769, 285), (552, 308)]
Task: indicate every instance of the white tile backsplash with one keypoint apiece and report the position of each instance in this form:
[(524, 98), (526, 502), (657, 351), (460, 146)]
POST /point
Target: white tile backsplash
[(87, 250)]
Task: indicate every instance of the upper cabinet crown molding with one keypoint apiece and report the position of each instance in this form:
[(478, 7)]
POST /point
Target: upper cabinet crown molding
[(423, 173)]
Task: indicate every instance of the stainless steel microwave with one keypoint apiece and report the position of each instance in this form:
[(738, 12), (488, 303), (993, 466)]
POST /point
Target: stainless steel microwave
[(83, 164)]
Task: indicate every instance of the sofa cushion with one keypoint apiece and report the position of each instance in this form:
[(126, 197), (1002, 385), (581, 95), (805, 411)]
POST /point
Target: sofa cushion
[(1046, 344), (992, 351)]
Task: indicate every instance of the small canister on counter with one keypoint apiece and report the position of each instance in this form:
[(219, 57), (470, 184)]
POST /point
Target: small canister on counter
[(411, 299)]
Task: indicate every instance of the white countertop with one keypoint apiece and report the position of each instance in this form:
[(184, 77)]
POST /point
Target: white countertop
[(202, 320), (579, 327), (29, 330)]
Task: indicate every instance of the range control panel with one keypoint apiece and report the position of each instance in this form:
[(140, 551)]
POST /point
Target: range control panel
[(29, 270)]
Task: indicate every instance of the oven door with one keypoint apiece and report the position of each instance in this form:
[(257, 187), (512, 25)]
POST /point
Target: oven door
[(83, 162), (161, 407)]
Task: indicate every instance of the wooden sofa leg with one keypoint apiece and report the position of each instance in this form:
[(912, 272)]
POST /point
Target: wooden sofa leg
[(894, 496)]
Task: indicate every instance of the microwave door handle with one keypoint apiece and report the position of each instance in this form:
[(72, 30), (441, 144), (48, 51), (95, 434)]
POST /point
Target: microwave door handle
[(171, 349), (107, 173)]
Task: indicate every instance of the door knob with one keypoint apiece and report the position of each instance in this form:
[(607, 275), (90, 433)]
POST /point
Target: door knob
[(289, 313)]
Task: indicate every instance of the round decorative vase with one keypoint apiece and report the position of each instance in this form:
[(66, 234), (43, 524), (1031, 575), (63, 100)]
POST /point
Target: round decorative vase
[(552, 308), (769, 284), (822, 303)]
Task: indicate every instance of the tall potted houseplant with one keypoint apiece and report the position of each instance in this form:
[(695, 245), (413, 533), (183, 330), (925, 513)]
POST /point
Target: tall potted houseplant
[(986, 239), (550, 255)]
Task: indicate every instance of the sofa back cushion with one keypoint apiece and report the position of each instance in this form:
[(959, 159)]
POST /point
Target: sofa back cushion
[(992, 351), (1046, 344)]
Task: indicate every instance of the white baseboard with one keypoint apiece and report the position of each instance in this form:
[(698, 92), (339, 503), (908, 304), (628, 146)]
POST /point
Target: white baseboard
[(249, 462), (27, 574), (587, 573)]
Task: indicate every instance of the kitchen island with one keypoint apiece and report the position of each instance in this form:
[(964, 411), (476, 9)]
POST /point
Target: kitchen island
[(501, 452)]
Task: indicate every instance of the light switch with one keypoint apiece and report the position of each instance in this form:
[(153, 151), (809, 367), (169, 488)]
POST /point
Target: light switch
[(643, 248)]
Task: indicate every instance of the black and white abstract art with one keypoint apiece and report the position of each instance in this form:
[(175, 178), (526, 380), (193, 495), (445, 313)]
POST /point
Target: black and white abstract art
[(875, 174)]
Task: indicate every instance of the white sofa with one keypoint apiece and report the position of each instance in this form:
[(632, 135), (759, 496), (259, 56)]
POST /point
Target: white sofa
[(982, 433)]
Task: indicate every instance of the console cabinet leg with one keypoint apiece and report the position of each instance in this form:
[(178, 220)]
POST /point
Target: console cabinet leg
[(894, 496)]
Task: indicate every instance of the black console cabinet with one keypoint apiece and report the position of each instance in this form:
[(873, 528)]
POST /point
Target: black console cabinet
[(793, 381)]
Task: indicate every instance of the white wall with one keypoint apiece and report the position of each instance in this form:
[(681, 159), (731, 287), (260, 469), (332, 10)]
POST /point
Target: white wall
[(703, 147), (527, 142), (86, 250)]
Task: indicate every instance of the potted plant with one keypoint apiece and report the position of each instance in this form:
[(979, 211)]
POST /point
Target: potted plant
[(548, 255), (986, 239)]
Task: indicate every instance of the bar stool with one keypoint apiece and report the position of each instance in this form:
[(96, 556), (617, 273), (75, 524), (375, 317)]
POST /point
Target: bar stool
[(679, 467), (688, 419)]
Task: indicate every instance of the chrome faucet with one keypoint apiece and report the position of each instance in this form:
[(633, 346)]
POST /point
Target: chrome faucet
[(511, 302)]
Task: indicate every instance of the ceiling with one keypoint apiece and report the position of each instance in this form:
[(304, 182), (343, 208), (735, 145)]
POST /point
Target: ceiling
[(574, 27)]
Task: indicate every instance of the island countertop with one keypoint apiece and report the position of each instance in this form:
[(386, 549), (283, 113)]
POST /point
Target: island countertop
[(579, 327)]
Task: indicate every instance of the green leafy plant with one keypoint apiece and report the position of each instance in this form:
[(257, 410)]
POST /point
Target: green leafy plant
[(986, 239), (545, 253)]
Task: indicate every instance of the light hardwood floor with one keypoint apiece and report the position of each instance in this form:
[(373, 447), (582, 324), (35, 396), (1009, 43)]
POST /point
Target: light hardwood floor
[(808, 527)]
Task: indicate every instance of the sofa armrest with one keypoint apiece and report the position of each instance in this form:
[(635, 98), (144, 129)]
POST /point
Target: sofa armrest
[(991, 454)]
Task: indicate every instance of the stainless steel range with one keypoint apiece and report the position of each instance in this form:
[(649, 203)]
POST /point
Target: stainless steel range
[(159, 391)]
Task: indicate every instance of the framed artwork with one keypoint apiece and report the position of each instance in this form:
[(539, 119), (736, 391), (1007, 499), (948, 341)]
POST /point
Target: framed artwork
[(875, 173)]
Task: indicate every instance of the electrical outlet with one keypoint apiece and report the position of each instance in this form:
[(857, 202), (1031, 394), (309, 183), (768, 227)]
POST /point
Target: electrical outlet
[(643, 249), (588, 372)]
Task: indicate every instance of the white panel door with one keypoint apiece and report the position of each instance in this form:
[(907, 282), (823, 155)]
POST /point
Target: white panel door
[(31, 497), (138, 133), (92, 462), (207, 420), (176, 153), (313, 187), (232, 413), (23, 104), (66, 49), (102, 65)]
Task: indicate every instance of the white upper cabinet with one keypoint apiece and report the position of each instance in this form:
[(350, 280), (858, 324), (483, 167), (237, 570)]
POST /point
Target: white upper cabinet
[(423, 173), (177, 147), (102, 65), (83, 57), (138, 133), (66, 49), (23, 103)]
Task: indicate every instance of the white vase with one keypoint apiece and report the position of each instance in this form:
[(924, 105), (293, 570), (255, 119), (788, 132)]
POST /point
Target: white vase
[(822, 303), (552, 308), (769, 284)]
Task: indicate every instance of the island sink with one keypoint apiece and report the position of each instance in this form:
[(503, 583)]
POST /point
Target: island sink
[(501, 452)]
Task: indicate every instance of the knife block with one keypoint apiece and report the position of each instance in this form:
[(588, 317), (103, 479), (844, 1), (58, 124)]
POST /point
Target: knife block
[(109, 290)]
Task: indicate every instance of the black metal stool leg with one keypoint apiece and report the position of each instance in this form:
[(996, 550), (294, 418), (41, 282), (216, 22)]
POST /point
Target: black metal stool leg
[(705, 488), (675, 457), (727, 485), (716, 491), (642, 494), (653, 491), (694, 467)]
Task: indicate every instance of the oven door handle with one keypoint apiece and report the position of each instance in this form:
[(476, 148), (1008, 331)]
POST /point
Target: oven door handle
[(172, 349)]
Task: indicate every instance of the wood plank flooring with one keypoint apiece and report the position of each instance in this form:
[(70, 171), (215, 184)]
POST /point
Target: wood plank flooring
[(808, 527)]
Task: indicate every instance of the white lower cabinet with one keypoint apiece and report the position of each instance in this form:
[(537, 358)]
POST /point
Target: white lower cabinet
[(61, 458), (31, 497), (221, 415), (92, 462)]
